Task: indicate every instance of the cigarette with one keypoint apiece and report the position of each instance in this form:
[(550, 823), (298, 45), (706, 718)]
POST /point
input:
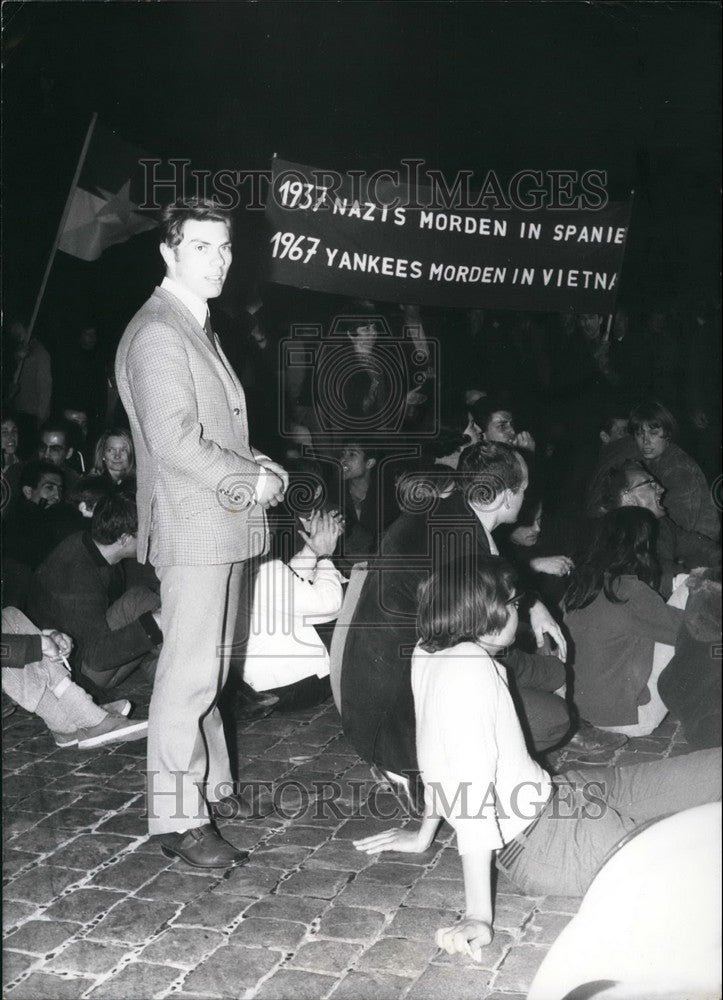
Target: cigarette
[(65, 663)]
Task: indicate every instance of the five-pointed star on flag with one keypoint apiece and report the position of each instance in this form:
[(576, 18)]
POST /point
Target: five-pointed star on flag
[(118, 204)]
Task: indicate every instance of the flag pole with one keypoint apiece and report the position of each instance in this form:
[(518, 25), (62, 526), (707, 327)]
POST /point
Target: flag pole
[(54, 250)]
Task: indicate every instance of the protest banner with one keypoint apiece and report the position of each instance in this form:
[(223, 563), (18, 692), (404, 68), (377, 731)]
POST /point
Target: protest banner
[(332, 233)]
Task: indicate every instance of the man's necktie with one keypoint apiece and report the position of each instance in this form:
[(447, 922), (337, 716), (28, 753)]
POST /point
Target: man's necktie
[(209, 332)]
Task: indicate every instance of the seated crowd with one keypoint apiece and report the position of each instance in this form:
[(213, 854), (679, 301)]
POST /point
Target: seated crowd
[(524, 592)]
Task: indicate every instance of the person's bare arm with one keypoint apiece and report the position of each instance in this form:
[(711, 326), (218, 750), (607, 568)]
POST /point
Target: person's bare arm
[(404, 840), (474, 932)]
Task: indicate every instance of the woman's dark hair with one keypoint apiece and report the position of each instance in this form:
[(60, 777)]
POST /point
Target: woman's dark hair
[(455, 416), (624, 544), (653, 414), (464, 600), (447, 440)]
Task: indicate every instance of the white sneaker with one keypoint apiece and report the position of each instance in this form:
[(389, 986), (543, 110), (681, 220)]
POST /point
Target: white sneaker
[(113, 729), (121, 707), (65, 739)]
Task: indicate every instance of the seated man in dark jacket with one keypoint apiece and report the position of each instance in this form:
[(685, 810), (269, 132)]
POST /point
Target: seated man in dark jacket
[(81, 589), (377, 703), (28, 527), (33, 525), (357, 499)]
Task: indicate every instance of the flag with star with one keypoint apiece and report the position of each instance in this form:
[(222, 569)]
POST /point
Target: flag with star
[(103, 207)]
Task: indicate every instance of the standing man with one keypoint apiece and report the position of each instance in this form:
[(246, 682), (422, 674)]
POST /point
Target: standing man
[(202, 491)]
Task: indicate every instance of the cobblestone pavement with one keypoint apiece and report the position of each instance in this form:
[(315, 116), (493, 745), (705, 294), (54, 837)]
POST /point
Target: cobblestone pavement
[(91, 908)]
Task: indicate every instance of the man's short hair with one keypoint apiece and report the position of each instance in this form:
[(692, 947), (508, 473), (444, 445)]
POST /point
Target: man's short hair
[(113, 517), (654, 415), (483, 409), (89, 490), (57, 425), (421, 484), (369, 450), (35, 469), (174, 217), (487, 469)]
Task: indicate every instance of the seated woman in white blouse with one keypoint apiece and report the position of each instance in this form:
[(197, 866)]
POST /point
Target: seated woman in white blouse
[(285, 654)]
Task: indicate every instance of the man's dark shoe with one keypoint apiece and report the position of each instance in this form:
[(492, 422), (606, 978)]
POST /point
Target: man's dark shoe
[(254, 704), (594, 742), (202, 847), (252, 803)]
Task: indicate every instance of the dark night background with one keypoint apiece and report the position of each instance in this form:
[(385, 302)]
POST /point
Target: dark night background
[(631, 88)]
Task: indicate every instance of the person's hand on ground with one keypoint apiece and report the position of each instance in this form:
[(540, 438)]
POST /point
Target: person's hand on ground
[(466, 938), (406, 841)]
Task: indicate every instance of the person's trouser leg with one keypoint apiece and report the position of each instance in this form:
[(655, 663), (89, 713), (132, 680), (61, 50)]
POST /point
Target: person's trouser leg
[(659, 787), (187, 752), (544, 717), (239, 598), (45, 687), (594, 808), (128, 608)]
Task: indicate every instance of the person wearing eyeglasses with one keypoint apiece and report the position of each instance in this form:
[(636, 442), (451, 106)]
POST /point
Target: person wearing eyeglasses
[(678, 550), (457, 518), (549, 835), (652, 430)]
